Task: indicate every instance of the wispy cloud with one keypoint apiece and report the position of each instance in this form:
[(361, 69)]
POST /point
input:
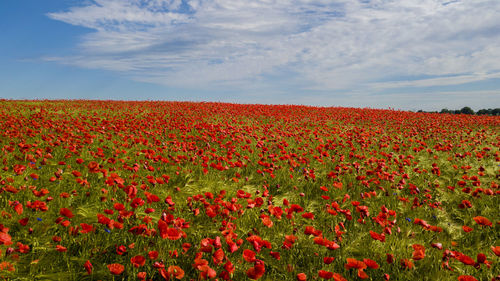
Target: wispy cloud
[(314, 44), (439, 81)]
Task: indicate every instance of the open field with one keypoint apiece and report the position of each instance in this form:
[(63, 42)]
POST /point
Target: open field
[(106, 190)]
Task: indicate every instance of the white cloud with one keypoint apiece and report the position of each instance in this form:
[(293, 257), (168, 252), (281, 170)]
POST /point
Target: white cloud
[(440, 81), (315, 44)]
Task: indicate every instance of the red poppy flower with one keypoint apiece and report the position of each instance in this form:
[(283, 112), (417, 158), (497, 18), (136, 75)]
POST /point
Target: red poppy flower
[(119, 206), (18, 207), (275, 255), (138, 261), (482, 221), (141, 275), (5, 265), (496, 250), (5, 239), (168, 232), (308, 216), (359, 265), (362, 274), (249, 255), (93, 167), (376, 236), (88, 267), (371, 263), (296, 208), (86, 228), (325, 274), (21, 248), (218, 256), (23, 221), (406, 263), (120, 250), (266, 220), (338, 185), (308, 230), (66, 212), (328, 260), (173, 234), (338, 277), (353, 263), (116, 268), (257, 271), (465, 259), (186, 247), (418, 252), (61, 249), (290, 238), (301, 277), (229, 267), (153, 255), (320, 241), (466, 278), (467, 229), (175, 272)]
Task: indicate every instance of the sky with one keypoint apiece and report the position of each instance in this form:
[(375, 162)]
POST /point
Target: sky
[(408, 55)]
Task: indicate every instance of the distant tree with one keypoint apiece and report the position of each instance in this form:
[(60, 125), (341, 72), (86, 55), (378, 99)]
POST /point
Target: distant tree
[(483, 112), (466, 110)]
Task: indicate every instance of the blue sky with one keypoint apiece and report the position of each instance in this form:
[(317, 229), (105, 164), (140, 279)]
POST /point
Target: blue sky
[(412, 54)]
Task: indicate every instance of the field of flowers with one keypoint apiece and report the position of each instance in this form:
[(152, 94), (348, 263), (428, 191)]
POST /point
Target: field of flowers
[(107, 190)]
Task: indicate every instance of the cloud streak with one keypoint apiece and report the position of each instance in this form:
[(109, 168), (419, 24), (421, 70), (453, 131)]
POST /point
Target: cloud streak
[(313, 44), (440, 81)]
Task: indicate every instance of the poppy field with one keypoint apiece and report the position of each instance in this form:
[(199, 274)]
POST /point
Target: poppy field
[(112, 190)]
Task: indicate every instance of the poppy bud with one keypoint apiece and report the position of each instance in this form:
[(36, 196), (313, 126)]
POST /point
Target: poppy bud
[(158, 265), (481, 258), (390, 258), (9, 251)]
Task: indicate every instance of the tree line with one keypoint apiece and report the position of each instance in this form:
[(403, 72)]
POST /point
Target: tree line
[(468, 110)]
